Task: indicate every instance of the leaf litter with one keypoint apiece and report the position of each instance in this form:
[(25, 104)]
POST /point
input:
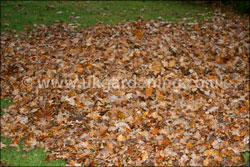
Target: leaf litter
[(131, 126)]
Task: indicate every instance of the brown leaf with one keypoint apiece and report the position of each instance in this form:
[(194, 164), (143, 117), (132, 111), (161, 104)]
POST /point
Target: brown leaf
[(149, 91), (164, 142), (154, 131), (103, 129), (138, 33), (109, 147), (79, 69)]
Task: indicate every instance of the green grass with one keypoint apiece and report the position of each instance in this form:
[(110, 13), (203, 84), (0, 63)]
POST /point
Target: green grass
[(16, 14), (4, 104), (18, 157), (14, 157), (246, 158)]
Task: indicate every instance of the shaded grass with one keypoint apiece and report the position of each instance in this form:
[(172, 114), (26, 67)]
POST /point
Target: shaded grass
[(4, 104), (246, 158), (16, 14)]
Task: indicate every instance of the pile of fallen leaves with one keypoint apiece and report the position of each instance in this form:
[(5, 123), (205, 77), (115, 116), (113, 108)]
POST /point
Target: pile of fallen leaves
[(131, 126)]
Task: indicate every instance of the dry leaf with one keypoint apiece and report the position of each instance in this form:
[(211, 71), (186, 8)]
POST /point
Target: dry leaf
[(149, 91), (103, 129), (189, 145), (172, 63), (79, 69), (2, 145), (121, 138), (208, 152)]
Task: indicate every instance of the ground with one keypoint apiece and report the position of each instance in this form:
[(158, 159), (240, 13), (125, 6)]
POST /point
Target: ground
[(179, 122)]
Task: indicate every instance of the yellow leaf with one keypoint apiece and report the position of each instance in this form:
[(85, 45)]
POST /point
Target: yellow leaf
[(121, 138), (29, 88), (72, 93), (206, 162), (89, 64), (119, 93), (106, 54), (208, 152), (172, 63), (122, 115), (189, 145), (156, 66)]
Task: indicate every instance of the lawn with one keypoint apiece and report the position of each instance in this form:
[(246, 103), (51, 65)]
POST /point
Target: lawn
[(29, 157), (16, 15), (19, 15)]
